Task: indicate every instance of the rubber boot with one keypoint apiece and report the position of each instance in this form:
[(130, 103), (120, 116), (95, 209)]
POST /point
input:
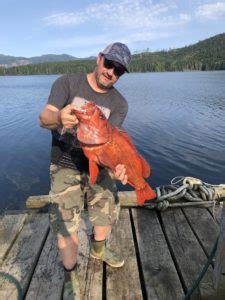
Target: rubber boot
[(100, 251), (71, 290)]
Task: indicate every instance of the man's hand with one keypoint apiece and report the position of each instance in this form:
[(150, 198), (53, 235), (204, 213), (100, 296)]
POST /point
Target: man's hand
[(120, 174), (51, 117), (66, 118)]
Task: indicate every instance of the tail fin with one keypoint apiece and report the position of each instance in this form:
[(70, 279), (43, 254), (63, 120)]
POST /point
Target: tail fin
[(146, 193)]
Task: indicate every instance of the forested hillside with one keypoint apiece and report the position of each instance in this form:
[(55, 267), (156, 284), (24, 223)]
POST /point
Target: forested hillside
[(202, 56)]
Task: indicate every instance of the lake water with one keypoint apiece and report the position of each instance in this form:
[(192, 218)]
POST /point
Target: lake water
[(176, 120)]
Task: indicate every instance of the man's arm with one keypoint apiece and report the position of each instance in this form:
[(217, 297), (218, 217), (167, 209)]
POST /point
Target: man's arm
[(51, 117)]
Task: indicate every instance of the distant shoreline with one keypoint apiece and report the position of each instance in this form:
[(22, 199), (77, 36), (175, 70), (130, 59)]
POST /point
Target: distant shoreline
[(207, 55), (53, 74)]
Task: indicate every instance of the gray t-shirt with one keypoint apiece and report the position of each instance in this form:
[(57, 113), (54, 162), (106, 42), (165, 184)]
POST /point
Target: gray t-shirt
[(76, 89)]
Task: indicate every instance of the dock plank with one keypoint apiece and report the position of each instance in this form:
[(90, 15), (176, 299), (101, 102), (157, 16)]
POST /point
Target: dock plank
[(9, 229), (90, 272), (171, 255), (23, 255), (216, 212), (204, 226), (93, 280), (50, 266), (219, 271), (123, 283), (160, 276), (188, 253), (47, 281)]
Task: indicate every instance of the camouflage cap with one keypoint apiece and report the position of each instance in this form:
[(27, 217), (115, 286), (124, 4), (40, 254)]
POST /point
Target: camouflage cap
[(118, 52)]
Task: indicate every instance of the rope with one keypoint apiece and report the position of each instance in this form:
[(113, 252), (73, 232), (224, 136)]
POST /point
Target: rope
[(193, 190), (201, 275), (14, 281)]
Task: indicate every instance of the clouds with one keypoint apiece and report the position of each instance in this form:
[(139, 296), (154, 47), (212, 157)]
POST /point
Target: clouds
[(137, 14), (128, 20), (124, 14), (82, 28), (213, 11), (65, 19), (135, 22)]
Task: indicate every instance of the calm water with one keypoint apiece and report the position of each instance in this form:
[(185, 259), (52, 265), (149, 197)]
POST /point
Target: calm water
[(177, 121)]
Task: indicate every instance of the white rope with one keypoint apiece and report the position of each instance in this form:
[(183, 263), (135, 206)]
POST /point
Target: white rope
[(195, 191)]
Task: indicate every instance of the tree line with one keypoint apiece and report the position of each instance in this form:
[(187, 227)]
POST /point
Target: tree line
[(206, 55)]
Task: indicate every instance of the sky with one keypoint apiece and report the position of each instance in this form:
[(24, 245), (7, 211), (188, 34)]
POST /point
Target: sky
[(84, 28)]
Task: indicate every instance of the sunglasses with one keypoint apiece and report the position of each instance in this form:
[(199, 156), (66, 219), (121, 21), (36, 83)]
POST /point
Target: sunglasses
[(117, 68)]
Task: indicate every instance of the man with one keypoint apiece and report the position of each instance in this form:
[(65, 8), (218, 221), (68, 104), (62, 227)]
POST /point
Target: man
[(69, 166)]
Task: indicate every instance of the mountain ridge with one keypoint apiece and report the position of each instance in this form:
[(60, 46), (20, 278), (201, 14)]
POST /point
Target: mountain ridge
[(14, 61)]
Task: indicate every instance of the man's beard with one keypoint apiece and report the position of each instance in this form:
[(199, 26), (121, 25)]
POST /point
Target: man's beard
[(101, 84)]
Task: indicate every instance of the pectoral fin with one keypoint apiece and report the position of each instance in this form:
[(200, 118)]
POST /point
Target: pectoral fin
[(93, 170)]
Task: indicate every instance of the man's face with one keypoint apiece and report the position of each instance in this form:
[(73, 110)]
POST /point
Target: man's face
[(105, 76)]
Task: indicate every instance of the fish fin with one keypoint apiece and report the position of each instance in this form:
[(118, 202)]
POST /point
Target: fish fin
[(144, 164), (145, 167), (146, 193), (93, 170), (128, 139)]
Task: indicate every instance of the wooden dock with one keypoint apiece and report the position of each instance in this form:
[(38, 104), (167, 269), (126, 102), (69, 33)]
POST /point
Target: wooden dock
[(164, 253)]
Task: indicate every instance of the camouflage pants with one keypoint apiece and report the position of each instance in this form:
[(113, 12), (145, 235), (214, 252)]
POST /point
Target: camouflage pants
[(73, 191)]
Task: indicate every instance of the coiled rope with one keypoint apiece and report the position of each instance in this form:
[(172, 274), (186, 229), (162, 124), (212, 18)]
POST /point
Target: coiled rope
[(194, 191), (14, 281)]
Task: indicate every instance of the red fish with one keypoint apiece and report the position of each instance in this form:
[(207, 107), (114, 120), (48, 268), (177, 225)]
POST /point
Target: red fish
[(106, 145)]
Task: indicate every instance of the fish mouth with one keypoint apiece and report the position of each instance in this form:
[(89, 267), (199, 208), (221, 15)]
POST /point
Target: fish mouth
[(79, 110), (80, 113)]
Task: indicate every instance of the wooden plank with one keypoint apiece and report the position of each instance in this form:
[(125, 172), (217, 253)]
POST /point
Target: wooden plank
[(93, 284), (10, 226), (123, 283), (47, 281), (216, 212), (204, 226), (90, 272), (219, 271), (160, 275), (188, 253), (23, 256), (126, 198)]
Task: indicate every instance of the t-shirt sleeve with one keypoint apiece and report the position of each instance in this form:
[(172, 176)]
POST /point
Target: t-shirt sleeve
[(118, 116), (59, 94)]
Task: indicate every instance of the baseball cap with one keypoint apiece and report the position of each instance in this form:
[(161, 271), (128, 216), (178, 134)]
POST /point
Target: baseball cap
[(118, 52)]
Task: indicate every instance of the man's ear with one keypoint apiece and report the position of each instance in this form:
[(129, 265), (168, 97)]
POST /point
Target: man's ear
[(99, 57)]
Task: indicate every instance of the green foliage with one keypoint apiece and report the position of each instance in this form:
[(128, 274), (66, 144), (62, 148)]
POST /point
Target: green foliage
[(203, 56), (51, 68)]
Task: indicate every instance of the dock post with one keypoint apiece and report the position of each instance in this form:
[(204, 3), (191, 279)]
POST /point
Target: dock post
[(219, 270)]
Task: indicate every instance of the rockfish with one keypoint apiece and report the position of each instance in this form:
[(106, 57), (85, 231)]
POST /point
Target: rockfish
[(106, 145)]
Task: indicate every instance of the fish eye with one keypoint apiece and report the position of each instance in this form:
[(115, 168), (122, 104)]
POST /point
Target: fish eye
[(102, 116)]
